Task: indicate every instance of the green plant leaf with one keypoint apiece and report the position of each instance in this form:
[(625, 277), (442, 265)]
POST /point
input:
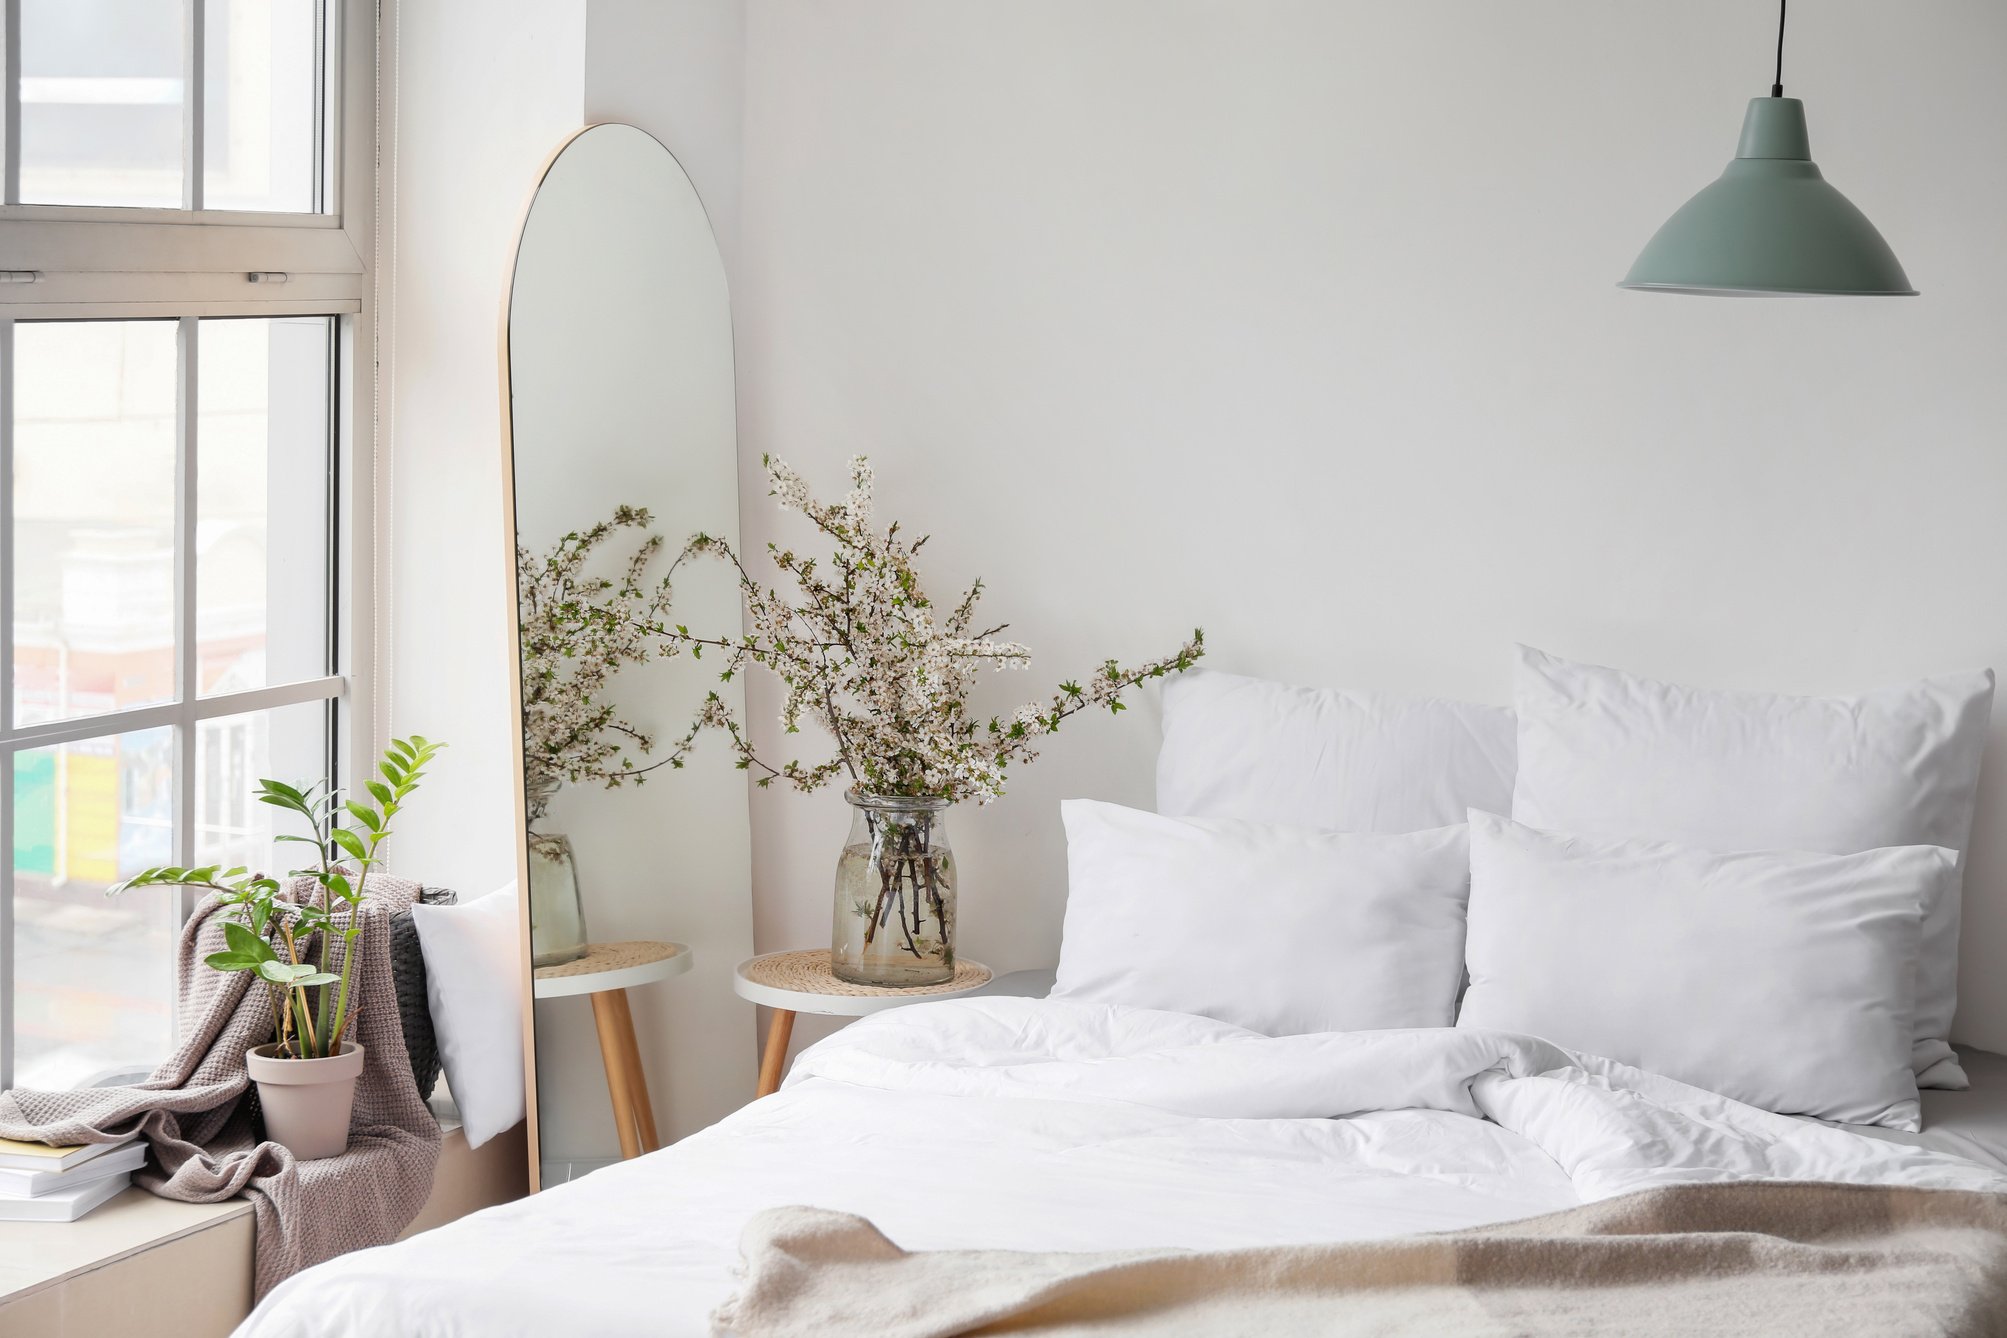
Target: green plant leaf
[(365, 815), (228, 961), (380, 792), (244, 942), (349, 841)]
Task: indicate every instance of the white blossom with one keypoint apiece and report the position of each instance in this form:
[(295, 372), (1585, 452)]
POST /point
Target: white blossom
[(858, 651)]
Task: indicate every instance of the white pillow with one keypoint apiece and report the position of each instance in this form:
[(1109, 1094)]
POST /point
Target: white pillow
[(1282, 930), (1783, 979), (474, 985), (1346, 761), (1609, 754)]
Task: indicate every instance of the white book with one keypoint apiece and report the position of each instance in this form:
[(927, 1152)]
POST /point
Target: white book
[(18, 1184), (64, 1205), (43, 1157)]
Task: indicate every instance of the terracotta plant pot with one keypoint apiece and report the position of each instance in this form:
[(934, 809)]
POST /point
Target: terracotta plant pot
[(307, 1101)]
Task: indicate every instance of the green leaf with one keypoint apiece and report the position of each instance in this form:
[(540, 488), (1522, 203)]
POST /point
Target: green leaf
[(380, 792), (245, 942), (279, 788), (283, 973), (365, 815), (349, 841), (318, 978), (228, 961), (339, 885)]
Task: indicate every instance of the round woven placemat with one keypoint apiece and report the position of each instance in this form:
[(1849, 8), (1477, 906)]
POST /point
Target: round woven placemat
[(807, 972), (610, 957)]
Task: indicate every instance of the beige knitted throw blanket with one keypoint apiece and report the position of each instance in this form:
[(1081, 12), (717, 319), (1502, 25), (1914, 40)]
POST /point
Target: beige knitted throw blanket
[(1771, 1258), (196, 1110)]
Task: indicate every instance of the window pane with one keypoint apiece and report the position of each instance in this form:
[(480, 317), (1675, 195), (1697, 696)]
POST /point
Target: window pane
[(92, 975), (262, 454), (231, 756), (94, 430), (259, 94), (101, 102)]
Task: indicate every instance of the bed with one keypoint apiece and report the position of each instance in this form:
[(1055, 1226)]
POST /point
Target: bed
[(1058, 1125), (1737, 910)]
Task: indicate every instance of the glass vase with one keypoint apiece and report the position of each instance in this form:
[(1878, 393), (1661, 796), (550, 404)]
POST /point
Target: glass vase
[(557, 920), (894, 920)]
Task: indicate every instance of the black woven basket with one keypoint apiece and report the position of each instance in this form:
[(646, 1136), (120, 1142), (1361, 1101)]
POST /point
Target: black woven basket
[(407, 968)]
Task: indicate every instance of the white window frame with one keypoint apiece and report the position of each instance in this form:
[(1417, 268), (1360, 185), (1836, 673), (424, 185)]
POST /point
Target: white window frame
[(110, 263)]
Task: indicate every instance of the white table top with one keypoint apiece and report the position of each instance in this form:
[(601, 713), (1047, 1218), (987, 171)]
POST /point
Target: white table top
[(613, 966), (1033, 984)]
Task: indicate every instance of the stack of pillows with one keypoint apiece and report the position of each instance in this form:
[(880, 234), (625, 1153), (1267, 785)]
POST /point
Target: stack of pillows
[(1754, 894)]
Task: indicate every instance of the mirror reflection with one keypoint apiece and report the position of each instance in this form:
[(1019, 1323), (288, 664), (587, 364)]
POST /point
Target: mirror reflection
[(617, 372)]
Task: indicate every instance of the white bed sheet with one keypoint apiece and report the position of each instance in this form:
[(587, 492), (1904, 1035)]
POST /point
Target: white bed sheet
[(1968, 1123), (1050, 1124)]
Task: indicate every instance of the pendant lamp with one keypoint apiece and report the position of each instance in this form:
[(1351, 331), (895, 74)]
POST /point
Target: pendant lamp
[(1771, 224)]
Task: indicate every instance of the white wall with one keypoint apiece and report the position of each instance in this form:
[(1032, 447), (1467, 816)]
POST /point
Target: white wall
[(1297, 321), (488, 89), (676, 70)]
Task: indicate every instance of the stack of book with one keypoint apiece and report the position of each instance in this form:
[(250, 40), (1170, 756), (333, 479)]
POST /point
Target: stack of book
[(40, 1183)]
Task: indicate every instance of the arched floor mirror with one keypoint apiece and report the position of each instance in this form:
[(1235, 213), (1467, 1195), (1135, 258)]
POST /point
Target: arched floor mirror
[(620, 441)]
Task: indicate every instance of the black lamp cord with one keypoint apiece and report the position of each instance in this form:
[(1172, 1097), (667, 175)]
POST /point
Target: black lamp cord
[(1777, 88)]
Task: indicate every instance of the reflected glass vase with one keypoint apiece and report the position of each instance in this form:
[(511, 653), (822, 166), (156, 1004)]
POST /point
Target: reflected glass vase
[(557, 921), (894, 920)]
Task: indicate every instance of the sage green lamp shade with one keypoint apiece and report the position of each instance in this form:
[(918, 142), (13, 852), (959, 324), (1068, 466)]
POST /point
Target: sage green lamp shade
[(1771, 224)]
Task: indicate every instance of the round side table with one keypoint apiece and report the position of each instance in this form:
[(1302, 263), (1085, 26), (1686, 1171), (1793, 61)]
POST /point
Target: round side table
[(607, 972), (801, 982)]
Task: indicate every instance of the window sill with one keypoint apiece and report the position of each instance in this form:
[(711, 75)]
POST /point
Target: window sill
[(46, 1268), (183, 1270)]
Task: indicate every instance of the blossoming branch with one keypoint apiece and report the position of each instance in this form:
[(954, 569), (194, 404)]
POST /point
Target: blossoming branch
[(862, 651)]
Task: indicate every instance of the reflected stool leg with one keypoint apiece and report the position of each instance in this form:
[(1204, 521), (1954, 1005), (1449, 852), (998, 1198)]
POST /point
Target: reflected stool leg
[(637, 1076), (773, 1059), (607, 1006)]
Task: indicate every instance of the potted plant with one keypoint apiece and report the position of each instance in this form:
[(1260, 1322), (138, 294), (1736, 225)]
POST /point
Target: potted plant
[(862, 651), (306, 1074)]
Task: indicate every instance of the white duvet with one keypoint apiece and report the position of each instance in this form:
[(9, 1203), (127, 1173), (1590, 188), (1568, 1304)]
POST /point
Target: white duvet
[(1054, 1125)]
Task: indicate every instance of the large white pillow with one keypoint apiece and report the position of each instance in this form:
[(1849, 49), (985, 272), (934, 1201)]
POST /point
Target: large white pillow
[(474, 985), (1283, 930), (1610, 754), (1247, 748), (1781, 978)]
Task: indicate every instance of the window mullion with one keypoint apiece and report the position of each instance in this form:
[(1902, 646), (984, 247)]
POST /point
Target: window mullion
[(7, 564), (187, 672), (192, 100), (323, 157), (7, 569), (10, 103)]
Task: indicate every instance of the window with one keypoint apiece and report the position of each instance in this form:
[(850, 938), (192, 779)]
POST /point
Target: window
[(185, 395)]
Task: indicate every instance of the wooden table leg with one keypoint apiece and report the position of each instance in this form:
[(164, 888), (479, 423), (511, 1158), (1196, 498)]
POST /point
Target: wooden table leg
[(607, 1007), (637, 1076), (773, 1059)]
